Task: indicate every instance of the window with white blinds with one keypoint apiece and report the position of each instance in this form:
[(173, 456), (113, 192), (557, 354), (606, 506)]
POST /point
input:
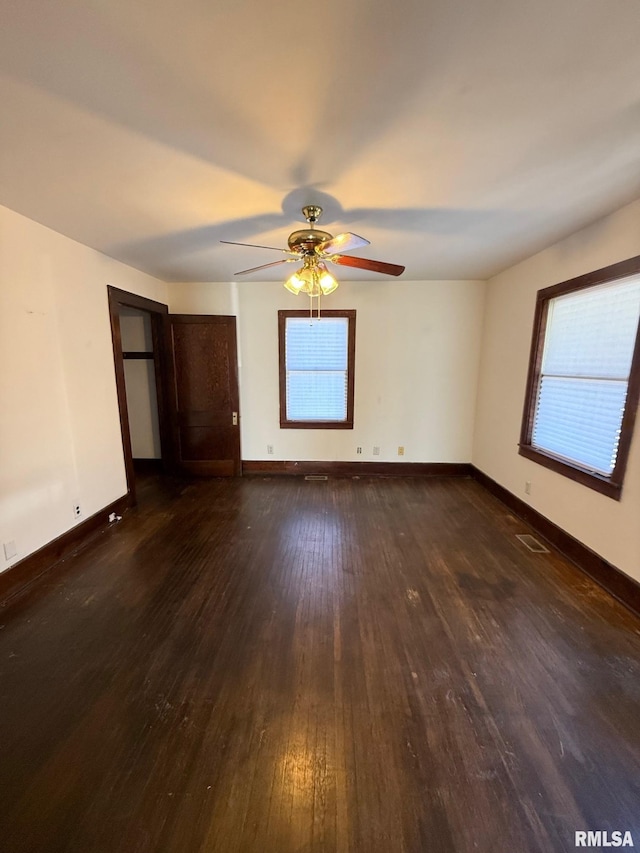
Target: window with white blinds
[(316, 376), (581, 387)]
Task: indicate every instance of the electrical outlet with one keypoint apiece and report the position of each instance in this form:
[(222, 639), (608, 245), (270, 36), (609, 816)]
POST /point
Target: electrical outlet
[(527, 487), (77, 512), (376, 451), (400, 450), (270, 449), (358, 450), (10, 550)]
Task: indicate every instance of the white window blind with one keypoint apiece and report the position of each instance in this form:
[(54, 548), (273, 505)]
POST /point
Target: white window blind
[(316, 364), (588, 348)]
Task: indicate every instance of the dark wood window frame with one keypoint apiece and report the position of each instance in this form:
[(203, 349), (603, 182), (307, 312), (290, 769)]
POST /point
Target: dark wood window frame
[(285, 423), (611, 485)]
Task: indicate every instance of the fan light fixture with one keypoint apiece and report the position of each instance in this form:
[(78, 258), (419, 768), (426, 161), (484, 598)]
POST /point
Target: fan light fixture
[(312, 278), (313, 247)]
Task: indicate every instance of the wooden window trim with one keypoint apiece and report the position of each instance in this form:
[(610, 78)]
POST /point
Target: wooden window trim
[(610, 486), (350, 315)]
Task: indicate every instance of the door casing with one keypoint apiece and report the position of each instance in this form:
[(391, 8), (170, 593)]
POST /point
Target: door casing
[(159, 325)]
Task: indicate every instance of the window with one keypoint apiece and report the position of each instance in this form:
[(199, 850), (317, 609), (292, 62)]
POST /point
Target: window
[(316, 369), (584, 377)]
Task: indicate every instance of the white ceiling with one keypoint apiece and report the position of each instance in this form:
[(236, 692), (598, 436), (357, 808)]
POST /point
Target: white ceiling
[(458, 136)]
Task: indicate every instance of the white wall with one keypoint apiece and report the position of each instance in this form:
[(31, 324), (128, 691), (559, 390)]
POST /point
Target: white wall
[(140, 383), (142, 409), (59, 428), (609, 527), (417, 350)]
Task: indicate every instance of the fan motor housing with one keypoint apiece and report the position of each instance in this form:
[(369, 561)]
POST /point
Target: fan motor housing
[(307, 239)]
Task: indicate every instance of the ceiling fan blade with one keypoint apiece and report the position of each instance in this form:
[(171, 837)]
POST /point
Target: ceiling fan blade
[(254, 246), (366, 264), (342, 243), (266, 266)]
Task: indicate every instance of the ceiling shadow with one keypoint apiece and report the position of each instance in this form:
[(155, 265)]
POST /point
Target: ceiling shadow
[(194, 248), (193, 240), (108, 64)]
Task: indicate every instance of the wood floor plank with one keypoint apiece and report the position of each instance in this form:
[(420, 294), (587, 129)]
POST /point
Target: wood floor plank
[(346, 666)]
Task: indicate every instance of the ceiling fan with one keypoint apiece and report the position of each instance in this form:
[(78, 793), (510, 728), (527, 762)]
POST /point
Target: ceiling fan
[(313, 248)]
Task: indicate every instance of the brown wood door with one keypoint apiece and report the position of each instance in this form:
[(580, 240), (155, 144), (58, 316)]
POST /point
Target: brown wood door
[(205, 395)]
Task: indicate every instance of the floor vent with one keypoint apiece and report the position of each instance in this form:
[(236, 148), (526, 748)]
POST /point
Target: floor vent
[(532, 543), (316, 477)]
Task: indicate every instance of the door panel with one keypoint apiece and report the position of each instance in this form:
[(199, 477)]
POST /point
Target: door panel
[(205, 394), (206, 442)]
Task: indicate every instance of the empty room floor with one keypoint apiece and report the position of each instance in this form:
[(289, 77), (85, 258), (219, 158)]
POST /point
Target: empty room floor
[(270, 665)]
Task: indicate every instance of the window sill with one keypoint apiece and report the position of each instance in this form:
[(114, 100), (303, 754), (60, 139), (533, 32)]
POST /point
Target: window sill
[(316, 424), (597, 482)]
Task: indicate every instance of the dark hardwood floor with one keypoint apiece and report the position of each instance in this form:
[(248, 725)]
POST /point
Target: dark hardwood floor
[(270, 665)]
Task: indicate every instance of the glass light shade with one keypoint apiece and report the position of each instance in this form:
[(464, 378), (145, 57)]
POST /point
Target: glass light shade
[(313, 279), (310, 277), (326, 281), (295, 283)]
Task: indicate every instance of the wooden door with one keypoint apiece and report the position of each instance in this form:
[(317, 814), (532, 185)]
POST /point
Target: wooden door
[(205, 395)]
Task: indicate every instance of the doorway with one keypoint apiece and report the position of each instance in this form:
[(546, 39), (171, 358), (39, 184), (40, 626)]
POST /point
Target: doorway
[(141, 387), (138, 331), (186, 371)]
